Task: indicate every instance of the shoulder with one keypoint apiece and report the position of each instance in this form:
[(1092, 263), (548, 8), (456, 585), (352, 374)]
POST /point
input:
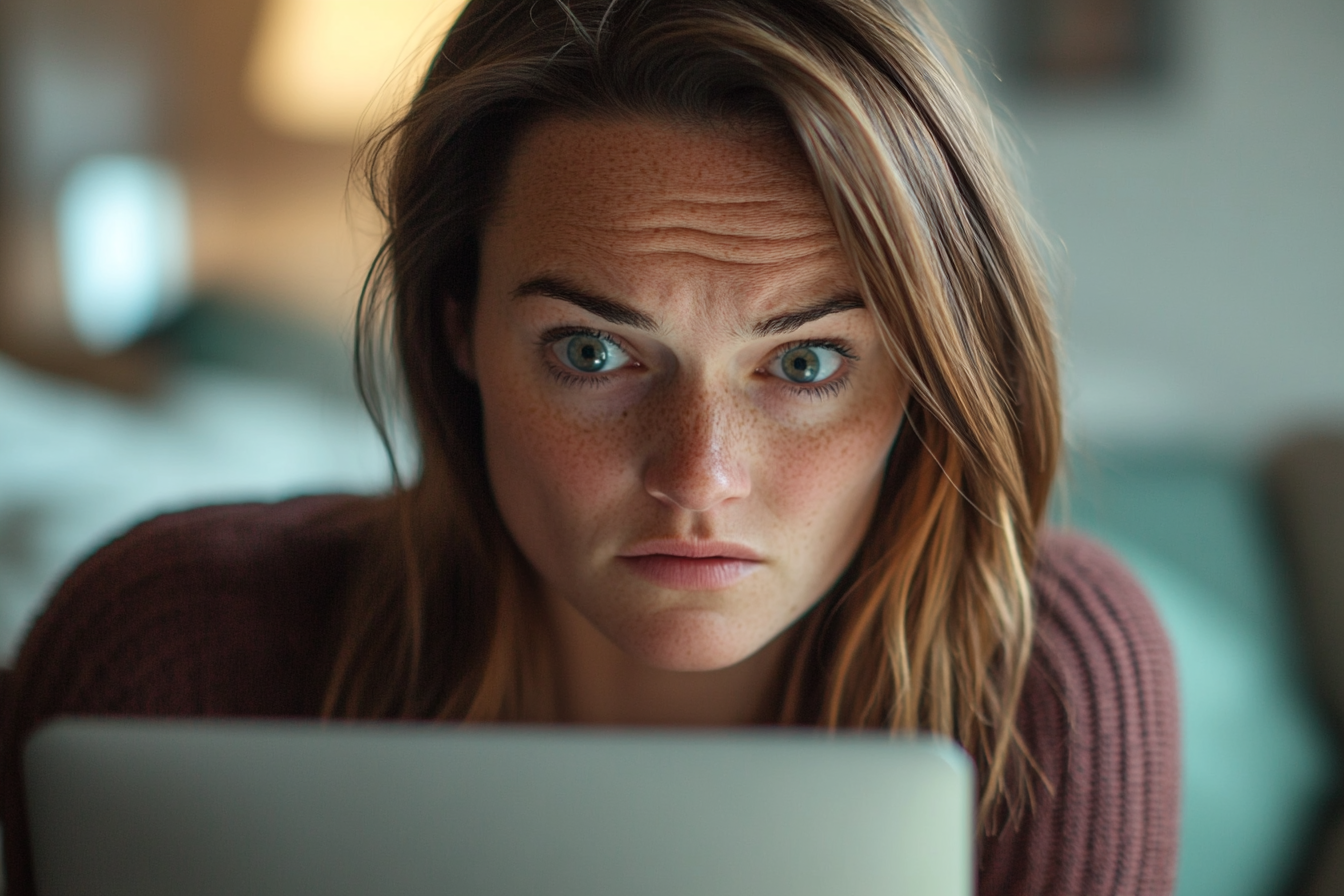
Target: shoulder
[(1099, 717), (227, 539), (1094, 618), (190, 612)]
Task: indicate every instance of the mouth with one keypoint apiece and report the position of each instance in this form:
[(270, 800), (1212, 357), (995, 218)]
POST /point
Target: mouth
[(692, 565)]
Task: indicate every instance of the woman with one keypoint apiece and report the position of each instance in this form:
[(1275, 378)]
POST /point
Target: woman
[(736, 395)]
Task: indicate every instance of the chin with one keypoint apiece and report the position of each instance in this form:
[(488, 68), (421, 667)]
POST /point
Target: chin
[(690, 641)]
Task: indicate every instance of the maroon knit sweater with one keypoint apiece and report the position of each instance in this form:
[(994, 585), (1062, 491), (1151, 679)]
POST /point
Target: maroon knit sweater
[(229, 611)]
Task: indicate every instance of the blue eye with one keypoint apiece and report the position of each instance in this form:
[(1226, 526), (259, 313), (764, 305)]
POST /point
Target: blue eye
[(807, 364), (590, 353)]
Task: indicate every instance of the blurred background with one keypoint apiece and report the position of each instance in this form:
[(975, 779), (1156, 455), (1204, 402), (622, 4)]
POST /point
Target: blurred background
[(181, 251)]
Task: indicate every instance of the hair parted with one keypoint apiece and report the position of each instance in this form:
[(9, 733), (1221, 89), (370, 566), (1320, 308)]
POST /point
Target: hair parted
[(931, 626)]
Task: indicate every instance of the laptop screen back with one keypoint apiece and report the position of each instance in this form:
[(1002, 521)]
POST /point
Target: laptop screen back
[(154, 808)]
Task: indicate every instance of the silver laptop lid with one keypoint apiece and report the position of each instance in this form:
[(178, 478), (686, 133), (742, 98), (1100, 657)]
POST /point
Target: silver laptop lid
[(166, 808)]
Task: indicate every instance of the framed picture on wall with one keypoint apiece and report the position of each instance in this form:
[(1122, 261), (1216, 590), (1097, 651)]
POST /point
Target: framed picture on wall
[(1084, 42)]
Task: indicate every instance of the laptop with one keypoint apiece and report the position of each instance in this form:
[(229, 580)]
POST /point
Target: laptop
[(166, 808)]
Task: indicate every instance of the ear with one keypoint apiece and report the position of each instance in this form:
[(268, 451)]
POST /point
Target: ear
[(459, 338)]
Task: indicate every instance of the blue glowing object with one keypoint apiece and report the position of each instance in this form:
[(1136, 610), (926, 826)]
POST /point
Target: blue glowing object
[(122, 232)]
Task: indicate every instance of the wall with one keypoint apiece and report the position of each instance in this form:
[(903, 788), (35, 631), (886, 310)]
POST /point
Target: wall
[(78, 78), (272, 219), (1202, 226)]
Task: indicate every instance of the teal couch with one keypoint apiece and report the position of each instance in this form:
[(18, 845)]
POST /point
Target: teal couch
[(1207, 537)]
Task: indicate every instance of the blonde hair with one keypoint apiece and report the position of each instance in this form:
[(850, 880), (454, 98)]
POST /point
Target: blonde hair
[(931, 626)]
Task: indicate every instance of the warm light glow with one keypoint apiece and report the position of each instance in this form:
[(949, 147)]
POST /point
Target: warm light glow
[(331, 69)]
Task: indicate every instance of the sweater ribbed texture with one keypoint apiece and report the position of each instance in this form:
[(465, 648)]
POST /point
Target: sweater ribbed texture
[(231, 611)]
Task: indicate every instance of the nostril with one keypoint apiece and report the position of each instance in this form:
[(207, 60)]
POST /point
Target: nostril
[(697, 493)]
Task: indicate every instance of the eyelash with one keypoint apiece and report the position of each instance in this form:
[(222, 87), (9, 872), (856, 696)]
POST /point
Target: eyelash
[(827, 389)]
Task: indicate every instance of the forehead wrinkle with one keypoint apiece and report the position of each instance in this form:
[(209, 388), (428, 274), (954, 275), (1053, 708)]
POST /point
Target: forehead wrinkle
[(727, 248), (750, 202), (764, 219)]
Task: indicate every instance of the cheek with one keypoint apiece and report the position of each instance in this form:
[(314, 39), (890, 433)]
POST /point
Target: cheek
[(821, 482), (556, 476)]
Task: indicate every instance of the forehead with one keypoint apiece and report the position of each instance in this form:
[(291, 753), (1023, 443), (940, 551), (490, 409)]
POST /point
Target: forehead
[(613, 157), (666, 198)]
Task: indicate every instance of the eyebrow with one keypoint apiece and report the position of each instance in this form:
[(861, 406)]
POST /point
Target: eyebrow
[(787, 323), (609, 310), (616, 312)]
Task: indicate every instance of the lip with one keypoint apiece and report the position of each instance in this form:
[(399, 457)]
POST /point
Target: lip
[(693, 550), (691, 565)]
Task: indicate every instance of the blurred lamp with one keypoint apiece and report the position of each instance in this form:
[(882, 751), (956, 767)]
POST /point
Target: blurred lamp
[(317, 66), (122, 235)]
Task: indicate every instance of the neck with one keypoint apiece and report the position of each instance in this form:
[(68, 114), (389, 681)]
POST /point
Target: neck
[(600, 684)]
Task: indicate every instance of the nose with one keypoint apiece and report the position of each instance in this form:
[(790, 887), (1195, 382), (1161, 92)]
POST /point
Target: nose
[(698, 460)]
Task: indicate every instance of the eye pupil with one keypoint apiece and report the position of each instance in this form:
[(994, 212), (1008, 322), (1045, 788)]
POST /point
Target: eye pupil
[(587, 353), (801, 365)]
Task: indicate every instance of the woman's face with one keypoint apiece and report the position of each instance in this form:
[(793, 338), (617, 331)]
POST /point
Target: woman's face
[(688, 410)]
